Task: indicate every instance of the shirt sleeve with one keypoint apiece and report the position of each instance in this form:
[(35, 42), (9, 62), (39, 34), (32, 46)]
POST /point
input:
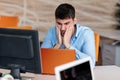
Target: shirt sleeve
[(47, 43)]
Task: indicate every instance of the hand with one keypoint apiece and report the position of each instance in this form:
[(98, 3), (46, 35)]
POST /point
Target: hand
[(59, 38), (67, 37)]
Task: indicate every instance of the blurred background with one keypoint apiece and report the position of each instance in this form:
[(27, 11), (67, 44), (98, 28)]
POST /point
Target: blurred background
[(103, 16), (40, 13)]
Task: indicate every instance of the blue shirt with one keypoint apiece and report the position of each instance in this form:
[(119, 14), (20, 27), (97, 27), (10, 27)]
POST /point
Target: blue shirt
[(82, 42)]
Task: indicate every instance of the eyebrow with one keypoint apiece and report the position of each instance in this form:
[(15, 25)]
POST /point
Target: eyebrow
[(64, 23), (67, 22)]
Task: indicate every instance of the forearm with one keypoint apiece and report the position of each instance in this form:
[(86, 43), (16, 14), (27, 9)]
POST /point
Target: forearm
[(57, 46)]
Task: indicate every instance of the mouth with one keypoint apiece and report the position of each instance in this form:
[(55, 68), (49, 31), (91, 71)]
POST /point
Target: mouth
[(62, 33)]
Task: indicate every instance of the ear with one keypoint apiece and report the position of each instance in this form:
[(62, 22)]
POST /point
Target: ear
[(75, 20)]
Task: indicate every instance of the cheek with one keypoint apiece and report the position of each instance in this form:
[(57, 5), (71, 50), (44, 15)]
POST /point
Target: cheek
[(67, 27), (58, 26)]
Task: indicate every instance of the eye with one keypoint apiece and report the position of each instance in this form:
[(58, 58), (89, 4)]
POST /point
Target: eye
[(67, 23), (58, 23)]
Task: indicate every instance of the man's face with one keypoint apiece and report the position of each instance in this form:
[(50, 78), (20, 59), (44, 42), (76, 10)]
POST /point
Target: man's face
[(64, 24)]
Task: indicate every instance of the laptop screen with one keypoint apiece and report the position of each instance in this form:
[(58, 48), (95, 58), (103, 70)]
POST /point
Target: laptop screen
[(76, 70)]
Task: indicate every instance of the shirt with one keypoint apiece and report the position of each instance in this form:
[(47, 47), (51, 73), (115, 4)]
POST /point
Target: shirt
[(83, 42)]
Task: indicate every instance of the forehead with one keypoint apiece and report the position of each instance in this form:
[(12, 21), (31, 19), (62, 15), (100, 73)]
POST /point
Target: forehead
[(64, 20)]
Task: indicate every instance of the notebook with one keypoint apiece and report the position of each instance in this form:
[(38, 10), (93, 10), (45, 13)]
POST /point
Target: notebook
[(75, 70), (50, 58)]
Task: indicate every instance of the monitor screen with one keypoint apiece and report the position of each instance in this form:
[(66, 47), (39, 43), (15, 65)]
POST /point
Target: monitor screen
[(79, 72), (20, 49), (76, 70)]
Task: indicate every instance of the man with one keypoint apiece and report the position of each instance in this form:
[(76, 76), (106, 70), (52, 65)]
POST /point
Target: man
[(67, 34)]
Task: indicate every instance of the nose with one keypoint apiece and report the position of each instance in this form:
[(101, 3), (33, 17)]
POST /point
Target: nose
[(63, 27)]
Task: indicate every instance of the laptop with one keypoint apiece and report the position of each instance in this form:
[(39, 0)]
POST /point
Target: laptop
[(50, 58), (75, 70)]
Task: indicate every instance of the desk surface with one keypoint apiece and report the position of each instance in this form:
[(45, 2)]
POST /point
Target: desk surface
[(100, 73), (107, 73)]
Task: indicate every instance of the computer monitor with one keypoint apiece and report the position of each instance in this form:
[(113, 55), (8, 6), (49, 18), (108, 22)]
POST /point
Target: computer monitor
[(76, 70), (19, 51)]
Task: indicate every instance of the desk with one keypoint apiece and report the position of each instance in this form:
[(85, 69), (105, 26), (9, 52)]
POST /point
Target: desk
[(110, 46), (100, 73), (107, 73)]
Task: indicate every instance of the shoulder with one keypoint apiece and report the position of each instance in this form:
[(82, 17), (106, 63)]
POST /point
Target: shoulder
[(52, 30), (84, 30)]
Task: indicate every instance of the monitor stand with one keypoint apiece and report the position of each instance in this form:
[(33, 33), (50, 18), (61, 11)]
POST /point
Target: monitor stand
[(16, 70)]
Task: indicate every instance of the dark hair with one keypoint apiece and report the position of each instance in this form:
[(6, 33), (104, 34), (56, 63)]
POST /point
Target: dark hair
[(65, 11)]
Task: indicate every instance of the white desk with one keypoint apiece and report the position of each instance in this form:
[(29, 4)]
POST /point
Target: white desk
[(107, 73), (110, 46), (100, 72)]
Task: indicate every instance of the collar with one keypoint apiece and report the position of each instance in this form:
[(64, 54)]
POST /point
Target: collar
[(77, 29)]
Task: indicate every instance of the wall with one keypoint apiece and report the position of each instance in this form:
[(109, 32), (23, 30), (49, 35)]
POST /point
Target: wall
[(40, 13)]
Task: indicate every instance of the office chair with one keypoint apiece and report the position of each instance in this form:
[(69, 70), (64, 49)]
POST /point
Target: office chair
[(8, 21), (97, 43), (25, 27)]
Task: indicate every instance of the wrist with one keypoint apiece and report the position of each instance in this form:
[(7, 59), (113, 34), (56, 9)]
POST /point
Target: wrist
[(67, 46), (57, 45)]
